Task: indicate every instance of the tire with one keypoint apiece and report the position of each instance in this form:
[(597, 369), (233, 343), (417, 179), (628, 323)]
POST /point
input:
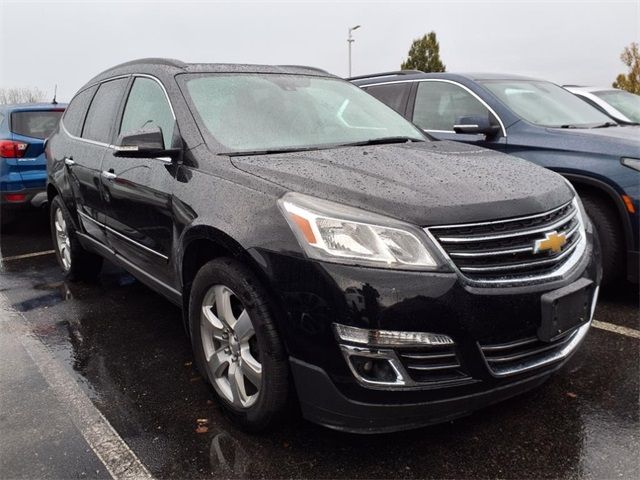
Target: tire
[(607, 227), (235, 301), (75, 261), (7, 218)]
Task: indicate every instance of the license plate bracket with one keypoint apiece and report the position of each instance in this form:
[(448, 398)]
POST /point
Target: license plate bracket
[(564, 309)]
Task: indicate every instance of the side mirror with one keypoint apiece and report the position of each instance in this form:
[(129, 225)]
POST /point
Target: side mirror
[(145, 143), (475, 124)]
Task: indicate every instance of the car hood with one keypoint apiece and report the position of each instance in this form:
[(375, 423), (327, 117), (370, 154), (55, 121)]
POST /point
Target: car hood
[(616, 141), (430, 183)]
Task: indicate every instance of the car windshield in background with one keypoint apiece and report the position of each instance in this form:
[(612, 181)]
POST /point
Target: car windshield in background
[(546, 104), (625, 102), (35, 124), (256, 113)]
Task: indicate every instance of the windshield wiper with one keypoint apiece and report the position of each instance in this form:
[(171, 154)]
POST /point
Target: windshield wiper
[(382, 141), (269, 151), (568, 126), (606, 124)]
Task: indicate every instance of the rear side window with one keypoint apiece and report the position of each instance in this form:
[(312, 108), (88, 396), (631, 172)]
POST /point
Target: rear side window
[(35, 124), (395, 95), (147, 107), (439, 105), (103, 110), (76, 111)]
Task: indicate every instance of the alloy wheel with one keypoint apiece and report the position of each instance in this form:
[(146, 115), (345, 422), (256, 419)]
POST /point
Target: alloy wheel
[(230, 347), (62, 239)]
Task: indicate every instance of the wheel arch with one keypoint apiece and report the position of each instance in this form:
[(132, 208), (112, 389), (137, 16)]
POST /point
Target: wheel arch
[(581, 182), (203, 243)]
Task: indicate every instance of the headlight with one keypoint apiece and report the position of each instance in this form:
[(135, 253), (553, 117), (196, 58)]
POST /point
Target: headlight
[(631, 163), (336, 233)]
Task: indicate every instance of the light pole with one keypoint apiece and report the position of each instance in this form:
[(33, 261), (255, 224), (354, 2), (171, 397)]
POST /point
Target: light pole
[(350, 40)]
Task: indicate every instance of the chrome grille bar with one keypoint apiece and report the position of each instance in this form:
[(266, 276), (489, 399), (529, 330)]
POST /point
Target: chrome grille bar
[(515, 266), (510, 251), (521, 233), (504, 251)]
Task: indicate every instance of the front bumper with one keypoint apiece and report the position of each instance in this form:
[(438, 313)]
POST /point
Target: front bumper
[(321, 402), (314, 295)]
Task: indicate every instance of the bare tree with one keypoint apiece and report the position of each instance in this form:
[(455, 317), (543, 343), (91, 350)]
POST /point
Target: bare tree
[(21, 95)]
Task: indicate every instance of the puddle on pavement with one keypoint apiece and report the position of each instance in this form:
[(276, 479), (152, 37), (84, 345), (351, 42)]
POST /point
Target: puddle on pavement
[(60, 293)]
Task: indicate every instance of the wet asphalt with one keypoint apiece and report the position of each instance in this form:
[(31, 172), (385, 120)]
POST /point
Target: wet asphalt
[(126, 348)]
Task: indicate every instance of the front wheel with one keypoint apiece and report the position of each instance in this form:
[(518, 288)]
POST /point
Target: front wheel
[(605, 222), (236, 345), (75, 261)]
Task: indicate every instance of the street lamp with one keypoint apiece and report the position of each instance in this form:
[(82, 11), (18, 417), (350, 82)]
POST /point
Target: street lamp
[(350, 40)]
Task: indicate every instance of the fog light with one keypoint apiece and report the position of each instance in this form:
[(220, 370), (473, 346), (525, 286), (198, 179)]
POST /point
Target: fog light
[(374, 370), (386, 338)]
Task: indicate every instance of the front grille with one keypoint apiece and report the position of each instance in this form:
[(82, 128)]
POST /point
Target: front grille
[(435, 365), (519, 355), (504, 250)]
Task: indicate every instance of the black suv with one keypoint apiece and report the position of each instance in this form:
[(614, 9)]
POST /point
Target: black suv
[(320, 245)]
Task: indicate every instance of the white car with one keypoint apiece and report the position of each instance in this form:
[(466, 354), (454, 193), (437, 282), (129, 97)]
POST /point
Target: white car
[(621, 106)]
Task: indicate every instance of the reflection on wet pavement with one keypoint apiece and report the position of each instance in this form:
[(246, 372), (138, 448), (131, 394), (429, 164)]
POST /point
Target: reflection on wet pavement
[(127, 347)]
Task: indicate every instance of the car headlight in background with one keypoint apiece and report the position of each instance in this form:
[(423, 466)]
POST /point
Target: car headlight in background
[(337, 233), (631, 163)]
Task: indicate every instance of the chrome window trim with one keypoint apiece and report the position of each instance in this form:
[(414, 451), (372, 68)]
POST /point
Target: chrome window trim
[(453, 82), (117, 77), (111, 230)]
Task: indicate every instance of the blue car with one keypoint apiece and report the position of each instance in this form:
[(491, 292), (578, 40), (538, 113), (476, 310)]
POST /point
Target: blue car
[(23, 167), (541, 122)]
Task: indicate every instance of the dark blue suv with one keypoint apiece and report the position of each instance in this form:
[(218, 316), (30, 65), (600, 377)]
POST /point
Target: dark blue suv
[(23, 167), (541, 122)]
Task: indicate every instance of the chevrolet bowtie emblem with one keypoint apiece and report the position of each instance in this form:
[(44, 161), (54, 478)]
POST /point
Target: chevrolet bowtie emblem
[(553, 242)]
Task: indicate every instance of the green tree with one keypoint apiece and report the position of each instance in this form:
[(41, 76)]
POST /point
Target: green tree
[(630, 81), (424, 55)]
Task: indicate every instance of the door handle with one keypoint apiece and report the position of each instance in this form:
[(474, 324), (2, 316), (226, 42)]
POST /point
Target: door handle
[(68, 161), (109, 175)]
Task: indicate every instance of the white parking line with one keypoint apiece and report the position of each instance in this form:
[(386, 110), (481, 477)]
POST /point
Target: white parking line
[(111, 449), (610, 327), (27, 255)]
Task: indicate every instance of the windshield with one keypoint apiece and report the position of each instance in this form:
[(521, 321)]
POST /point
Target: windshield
[(625, 102), (546, 104), (257, 112)]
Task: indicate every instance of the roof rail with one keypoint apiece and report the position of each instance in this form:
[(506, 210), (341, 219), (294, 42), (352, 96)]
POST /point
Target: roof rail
[(154, 61), (315, 69), (386, 74)]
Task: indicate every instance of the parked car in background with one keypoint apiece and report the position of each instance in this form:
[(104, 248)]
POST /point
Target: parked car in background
[(541, 122), (621, 106), (315, 239), (23, 167)]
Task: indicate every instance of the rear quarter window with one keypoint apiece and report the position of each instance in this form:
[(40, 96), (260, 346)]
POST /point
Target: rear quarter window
[(73, 118), (395, 95), (35, 123)]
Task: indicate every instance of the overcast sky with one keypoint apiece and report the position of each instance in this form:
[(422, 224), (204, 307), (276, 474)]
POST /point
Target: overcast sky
[(66, 43)]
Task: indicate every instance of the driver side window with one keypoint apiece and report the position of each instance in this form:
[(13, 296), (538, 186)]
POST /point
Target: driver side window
[(147, 106), (439, 105)]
